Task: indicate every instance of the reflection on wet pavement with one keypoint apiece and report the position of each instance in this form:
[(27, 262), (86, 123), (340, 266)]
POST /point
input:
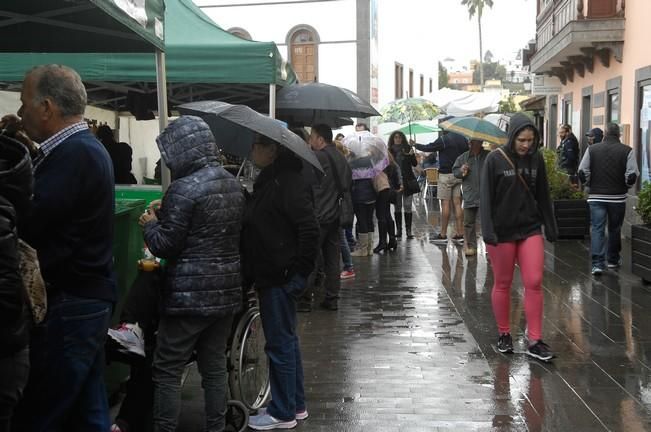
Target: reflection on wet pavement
[(411, 348)]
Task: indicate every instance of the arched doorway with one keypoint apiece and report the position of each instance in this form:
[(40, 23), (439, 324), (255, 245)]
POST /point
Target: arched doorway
[(303, 53)]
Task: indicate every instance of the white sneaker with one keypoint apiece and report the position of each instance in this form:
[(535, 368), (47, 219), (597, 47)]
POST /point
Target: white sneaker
[(130, 337)]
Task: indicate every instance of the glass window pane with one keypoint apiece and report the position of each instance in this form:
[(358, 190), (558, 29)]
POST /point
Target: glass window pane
[(645, 130)]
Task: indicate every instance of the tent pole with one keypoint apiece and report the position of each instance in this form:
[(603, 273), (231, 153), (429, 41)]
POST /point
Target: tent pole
[(272, 100), (161, 85)]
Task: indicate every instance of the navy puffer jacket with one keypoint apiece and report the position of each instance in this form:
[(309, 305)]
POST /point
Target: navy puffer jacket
[(199, 224)]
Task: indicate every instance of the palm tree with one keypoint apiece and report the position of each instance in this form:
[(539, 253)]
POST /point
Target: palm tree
[(477, 7)]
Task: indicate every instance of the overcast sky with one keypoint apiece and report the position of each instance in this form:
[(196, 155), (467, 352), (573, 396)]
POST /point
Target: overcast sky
[(443, 26)]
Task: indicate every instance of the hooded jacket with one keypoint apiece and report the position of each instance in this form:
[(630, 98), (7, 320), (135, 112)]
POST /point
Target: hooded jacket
[(508, 211), (16, 184), (470, 183), (280, 233), (198, 226)]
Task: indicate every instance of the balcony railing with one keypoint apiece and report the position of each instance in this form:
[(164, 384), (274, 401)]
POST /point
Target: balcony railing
[(554, 18)]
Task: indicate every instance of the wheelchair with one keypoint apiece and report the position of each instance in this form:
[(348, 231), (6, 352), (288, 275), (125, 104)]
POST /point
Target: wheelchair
[(247, 366)]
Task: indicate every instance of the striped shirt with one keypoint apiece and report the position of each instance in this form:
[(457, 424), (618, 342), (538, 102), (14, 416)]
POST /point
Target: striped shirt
[(53, 142)]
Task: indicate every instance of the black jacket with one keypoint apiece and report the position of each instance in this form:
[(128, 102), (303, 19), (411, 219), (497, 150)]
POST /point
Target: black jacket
[(568, 154), (326, 192), (406, 161), (15, 192), (199, 224), (508, 211), (280, 233), (450, 146)]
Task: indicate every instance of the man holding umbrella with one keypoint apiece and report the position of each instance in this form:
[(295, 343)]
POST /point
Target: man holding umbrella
[(450, 146)]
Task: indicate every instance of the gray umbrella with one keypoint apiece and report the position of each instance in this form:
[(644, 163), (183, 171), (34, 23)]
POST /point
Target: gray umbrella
[(235, 126), (321, 100)]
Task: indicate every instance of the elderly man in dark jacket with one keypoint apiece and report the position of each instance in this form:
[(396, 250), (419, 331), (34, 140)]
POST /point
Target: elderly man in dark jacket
[(197, 230), (15, 192)]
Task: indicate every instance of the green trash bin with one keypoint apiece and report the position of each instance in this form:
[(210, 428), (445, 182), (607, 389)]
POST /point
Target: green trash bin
[(145, 192), (127, 250)]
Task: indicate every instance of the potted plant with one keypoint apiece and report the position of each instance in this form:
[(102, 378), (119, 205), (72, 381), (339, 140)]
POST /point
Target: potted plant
[(569, 202), (641, 235)]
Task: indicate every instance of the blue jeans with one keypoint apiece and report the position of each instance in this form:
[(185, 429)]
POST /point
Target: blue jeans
[(345, 252), (613, 213), (278, 314), (66, 388)]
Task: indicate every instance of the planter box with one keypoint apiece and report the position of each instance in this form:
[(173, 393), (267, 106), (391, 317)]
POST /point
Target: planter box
[(641, 251), (572, 218)]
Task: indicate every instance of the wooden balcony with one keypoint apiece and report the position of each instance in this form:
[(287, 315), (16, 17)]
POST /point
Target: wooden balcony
[(570, 34)]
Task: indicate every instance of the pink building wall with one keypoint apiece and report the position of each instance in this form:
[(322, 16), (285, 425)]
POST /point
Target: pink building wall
[(637, 54)]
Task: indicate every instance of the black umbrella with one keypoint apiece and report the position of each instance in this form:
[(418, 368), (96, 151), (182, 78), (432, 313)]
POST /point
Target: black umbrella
[(235, 126), (307, 119), (321, 100)]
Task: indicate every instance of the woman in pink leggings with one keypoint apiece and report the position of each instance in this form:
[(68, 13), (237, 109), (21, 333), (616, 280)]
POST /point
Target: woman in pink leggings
[(514, 206)]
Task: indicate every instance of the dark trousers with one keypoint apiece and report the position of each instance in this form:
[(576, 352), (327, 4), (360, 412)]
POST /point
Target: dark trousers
[(66, 385), (329, 256), (278, 315), (364, 215), (383, 214), (177, 338), (14, 370), (602, 214)]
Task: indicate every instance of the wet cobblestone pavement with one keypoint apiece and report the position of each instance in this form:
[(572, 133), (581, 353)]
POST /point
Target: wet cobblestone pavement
[(411, 348)]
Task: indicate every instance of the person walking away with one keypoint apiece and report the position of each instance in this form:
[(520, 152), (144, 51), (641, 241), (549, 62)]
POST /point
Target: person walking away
[(280, 242), (594, 136), (405, 158), (71, 226), (327, 194), (449, 146), (609, 169), (197, 231), (515, 205), (568, 151), (468, 168), (348, 271), (15, 319)]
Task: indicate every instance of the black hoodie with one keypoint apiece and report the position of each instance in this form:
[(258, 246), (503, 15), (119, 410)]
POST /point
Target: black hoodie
[(508, 212)]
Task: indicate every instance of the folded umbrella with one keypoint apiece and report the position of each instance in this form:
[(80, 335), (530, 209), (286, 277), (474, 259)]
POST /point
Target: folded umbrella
[(235, 128), (475, 128)]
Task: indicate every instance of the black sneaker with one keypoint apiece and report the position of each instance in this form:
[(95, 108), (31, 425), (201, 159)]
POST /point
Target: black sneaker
[(540, 350), (505, 343), (304, 306)]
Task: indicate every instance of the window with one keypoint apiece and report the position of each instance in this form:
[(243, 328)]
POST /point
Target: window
[(612, 106), (399, 81), (422, 85), (303, 53), (240, 32), (567, 112), (411, 83), (431, 85), (644, 120)]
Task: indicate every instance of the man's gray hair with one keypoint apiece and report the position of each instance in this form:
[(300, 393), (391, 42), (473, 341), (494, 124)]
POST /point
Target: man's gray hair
[(612, 130), (62, 85)]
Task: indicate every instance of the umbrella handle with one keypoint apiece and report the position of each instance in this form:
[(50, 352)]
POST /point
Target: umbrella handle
[(239, 172)]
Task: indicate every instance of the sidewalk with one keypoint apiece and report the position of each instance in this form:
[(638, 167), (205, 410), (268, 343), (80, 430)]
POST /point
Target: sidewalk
[(411, 348)]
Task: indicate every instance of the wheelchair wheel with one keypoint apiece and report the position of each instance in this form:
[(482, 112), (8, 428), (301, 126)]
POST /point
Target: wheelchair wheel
[(249, 378), (237, 417)]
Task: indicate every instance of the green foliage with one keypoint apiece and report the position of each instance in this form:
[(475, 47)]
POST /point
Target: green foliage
[(476, 6), (508, 106), (492, 71), (443, 76), (560, 187), (643, 207)]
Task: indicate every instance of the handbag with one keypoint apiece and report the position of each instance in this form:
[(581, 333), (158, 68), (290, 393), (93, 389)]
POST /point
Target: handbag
[(35, 290), (344, 200), (412, 187)]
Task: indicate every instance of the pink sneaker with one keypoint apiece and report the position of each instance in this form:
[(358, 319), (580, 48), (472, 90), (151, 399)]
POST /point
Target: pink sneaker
[(347, 274)]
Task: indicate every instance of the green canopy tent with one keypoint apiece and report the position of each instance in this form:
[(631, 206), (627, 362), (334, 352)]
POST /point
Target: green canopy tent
[(203, 62)]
